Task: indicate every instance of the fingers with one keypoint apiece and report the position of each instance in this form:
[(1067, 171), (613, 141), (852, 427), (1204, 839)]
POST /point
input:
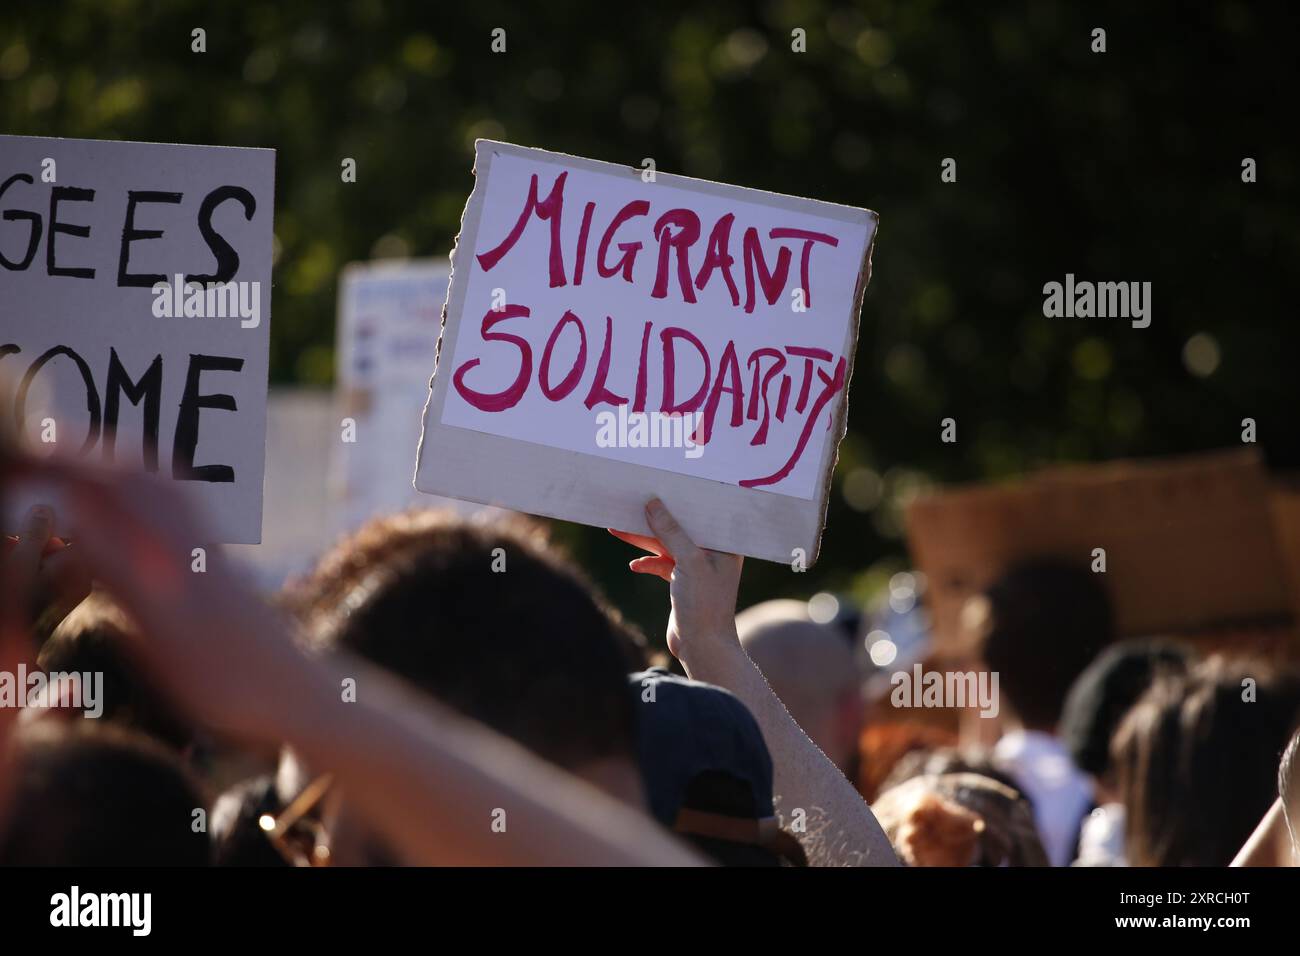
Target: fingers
[(33, 541), (643, 541), (672, 543), (144, 498), (666, 528), (10, 541), (659, 566), (17, 583)]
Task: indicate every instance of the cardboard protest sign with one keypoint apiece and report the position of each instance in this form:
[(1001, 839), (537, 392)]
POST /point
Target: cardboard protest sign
[(613, 334), (1285, 501), (1190, 543), (389, 315), (135, 304)]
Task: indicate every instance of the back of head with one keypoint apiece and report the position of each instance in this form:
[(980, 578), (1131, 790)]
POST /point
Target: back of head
[(811, 668), (1046, 620), (1197, 758), (487, 618), (1104, 694), (707, 772), (90, 640), (806, 663), (100, 796), (960, 819), (945, 761)]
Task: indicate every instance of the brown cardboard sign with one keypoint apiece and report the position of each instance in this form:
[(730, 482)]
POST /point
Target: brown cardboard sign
[(1189, 543)]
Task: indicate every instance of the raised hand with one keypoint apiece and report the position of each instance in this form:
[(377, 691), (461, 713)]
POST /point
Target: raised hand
[(199, 632), (702, 587), (702, 635), (411, 768)]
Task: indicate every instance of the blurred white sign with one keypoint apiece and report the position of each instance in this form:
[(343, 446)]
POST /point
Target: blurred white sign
[(388, 320)]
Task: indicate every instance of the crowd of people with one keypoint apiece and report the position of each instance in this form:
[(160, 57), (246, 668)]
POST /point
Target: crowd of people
[(443, 690)]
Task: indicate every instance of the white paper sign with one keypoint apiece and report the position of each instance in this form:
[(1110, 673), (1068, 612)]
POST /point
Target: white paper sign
[(614, 333), (135, 308), (389, 316)]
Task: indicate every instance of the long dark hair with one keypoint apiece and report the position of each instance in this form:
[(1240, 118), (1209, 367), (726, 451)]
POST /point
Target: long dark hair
[(1196, 759)]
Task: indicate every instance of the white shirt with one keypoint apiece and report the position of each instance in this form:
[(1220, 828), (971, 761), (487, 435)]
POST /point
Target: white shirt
[(1060, 792), (1102, 841)]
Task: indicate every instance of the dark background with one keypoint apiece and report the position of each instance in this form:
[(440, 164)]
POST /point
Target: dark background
[(1122, 166)]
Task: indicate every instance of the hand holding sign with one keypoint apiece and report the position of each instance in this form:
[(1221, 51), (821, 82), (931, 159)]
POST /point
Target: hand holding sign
[(702, 635), (702, 584)]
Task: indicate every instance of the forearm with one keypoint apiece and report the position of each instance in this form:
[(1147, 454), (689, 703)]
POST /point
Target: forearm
[(841, 830), (1269, 843), (422, 777), (433, 784)]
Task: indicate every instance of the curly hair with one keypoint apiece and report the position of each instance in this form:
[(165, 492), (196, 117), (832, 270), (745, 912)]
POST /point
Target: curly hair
[(487, 617)]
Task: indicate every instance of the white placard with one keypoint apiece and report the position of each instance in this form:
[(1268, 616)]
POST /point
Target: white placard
[(615, 333), (106, 353), (389, 316)]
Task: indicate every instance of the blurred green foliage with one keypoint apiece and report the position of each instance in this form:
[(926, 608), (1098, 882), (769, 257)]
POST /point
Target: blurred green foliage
[(1121, 166)]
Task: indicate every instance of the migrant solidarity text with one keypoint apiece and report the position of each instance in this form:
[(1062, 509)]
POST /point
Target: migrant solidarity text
[(581, 288)]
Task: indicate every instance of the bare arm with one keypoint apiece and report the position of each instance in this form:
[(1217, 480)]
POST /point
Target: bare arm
[(432, 783), (424, 778), (841, 829), (1270, 842)]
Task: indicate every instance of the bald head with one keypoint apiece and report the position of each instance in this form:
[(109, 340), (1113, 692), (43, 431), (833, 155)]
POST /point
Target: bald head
[(811, 668)]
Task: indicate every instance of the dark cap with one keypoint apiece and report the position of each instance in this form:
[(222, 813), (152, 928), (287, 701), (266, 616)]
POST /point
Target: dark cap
[(686, 728), (706, 767)]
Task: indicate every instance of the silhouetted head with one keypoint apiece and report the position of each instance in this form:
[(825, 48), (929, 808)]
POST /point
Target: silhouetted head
[(1106, 691), (811, 668), (491, 620), (1197, 759), (1044, 622), (90, 795)]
